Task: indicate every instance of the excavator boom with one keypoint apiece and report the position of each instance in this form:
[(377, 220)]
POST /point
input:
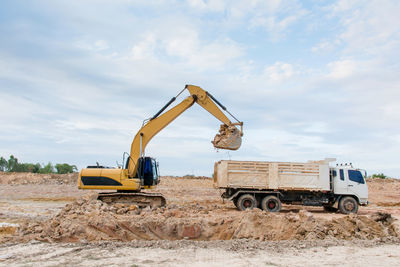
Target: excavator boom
[(229, 136)]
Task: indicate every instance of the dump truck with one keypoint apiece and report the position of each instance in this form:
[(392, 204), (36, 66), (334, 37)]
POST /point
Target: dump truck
[(266, 185)]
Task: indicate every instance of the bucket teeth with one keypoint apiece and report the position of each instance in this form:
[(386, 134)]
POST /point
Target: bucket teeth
[(229, 137)]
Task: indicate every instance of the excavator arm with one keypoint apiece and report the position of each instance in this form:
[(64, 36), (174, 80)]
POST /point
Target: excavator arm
[(229, 136)]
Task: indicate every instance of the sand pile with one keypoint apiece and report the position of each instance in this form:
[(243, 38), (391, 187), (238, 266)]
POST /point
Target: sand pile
[(37, 178), (91, 220)]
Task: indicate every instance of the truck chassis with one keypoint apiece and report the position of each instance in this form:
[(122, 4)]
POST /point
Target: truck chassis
[(272, 200)]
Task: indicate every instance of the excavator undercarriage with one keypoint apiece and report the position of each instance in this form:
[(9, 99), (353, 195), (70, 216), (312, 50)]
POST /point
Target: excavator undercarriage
[(140, 199)]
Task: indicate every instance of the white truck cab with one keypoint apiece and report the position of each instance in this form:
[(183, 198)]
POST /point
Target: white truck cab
[(350, 181)]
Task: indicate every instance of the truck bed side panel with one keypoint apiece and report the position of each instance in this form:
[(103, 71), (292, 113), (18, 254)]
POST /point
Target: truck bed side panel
[(272, 175), (299, 176), (237, 174)]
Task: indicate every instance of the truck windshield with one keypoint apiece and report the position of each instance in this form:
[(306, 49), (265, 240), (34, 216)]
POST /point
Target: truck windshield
[(356, 176)]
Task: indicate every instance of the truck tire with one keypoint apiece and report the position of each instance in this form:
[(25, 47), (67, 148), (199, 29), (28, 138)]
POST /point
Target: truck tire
[(271, 204), (348, 205), (246, 201)]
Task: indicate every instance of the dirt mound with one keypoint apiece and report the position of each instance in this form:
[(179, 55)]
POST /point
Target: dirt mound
[(7, 228), (384, 192), (37, 178), (88, 219)]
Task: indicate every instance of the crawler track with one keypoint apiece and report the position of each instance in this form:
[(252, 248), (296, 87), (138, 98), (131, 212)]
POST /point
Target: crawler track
[(140, 199)]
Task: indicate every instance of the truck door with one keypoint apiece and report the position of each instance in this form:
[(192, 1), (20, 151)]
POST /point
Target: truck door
[(340, 182), (356, 184)]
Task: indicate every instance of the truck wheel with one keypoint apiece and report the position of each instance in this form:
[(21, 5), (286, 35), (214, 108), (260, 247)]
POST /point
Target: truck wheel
[(271, 204), (246, 201), (348, 205)]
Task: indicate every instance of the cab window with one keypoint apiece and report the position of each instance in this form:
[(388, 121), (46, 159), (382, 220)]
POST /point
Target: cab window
[(333, 174), (341, 175), (154, 166), (356, 176)]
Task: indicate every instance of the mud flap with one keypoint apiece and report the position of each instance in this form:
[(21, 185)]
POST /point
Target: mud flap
[(336, 204), (229, 137)]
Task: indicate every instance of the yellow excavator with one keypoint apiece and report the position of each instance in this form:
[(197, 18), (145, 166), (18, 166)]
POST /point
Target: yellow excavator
[(141, 172)]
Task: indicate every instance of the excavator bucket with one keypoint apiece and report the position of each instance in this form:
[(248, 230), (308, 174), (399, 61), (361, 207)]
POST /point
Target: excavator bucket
[(229, 137)]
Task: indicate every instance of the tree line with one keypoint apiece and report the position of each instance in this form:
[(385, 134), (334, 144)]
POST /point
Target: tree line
[(12, 165)]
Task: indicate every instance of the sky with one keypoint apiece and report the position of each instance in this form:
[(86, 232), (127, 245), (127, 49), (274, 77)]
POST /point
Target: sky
[(309, 79)]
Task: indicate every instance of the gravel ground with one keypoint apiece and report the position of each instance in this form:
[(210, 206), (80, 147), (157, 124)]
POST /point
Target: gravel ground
[(209, 253), (23, 200)]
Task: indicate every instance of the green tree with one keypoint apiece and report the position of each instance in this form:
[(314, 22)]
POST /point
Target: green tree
[(65, 168), (379, 175), (48, 168), (3, 164), (12, 164), (29, 167), (21, 167), (36, 168)]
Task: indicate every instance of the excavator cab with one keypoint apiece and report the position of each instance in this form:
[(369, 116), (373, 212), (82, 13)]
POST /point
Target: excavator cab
[(148, 171)]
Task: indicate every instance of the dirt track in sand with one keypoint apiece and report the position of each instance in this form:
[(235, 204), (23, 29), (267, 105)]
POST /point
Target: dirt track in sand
[(200, 253)]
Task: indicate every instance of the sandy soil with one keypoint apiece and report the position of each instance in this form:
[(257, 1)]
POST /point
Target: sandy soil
[(200, 253), (34, 201)]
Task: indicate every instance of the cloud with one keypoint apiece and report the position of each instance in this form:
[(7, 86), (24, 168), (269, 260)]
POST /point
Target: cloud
[(98, 45), (369, 28), (341, 69), (325, 46), (274, 17), (275, 26), (279, 72), (310, 80), (101, 45), (145, 48), (213, 5), (186, 46)]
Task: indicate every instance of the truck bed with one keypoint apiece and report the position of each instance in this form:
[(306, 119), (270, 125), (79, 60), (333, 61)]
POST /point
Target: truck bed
[(263, 175)]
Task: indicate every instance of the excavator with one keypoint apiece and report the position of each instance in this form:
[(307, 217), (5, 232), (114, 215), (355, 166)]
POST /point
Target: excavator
[(141, 172)]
